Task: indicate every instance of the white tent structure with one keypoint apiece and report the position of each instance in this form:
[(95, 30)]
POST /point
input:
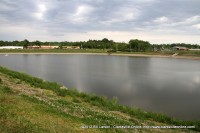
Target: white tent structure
[(11, 47)]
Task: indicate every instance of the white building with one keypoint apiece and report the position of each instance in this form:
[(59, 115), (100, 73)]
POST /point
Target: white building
[(11, 47), (194, 49)]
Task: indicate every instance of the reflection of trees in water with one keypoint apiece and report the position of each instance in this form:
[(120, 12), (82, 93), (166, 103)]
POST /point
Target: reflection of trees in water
[(33, 64), (167, 89), (139, 65), (136, 81), (104, 75), (155, 84)]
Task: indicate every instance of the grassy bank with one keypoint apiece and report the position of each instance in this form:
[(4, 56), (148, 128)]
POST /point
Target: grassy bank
[(29, 104), (167, 53), (52, 51), (180, 53)]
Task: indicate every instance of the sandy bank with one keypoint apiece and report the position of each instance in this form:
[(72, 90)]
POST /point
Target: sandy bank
[(114, 54)]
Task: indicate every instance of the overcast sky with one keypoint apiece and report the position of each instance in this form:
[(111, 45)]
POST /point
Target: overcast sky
[(156, 21)]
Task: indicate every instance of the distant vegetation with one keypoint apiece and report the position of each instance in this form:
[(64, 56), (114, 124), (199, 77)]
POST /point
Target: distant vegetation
[(134, 45)]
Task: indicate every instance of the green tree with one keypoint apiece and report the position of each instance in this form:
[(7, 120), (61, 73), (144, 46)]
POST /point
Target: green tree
[(105, 40), (139, 45), (37, 43), (2, 43), (134, 44), (25, 43), (15, 43)]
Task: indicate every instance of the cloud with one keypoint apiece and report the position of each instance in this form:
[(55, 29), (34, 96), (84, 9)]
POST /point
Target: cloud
[(5, 7), (193, 19), (40, 11), (114, 19), (81, 14), (197, 26), (121, 15), (162, 19)]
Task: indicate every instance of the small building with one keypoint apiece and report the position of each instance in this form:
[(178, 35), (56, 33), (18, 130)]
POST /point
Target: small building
[(33, 47), (49, 47), (70, 47), (180, 48), (11, 47), (194, 49), (42, 47)]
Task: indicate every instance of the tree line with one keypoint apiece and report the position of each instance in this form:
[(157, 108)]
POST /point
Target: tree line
[(134, 45)]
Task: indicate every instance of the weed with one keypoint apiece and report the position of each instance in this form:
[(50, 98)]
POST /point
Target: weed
[(5, 89), (36, 82), (75, 100)]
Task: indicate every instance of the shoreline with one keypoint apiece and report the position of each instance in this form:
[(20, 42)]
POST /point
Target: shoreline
[(24, 92), (114, 54)]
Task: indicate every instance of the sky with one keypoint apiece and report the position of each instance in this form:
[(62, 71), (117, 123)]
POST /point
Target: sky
[(156, 21)]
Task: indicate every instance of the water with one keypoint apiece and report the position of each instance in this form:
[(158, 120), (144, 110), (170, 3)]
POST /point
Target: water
[(166, 85)]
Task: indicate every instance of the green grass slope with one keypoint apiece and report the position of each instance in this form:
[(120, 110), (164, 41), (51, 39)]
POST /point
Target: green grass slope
[(29, 104)]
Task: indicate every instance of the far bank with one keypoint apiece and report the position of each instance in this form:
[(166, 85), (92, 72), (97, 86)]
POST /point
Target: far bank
[(195, 55)]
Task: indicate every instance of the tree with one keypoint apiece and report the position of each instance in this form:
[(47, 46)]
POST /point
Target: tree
[(139, 45), (134, 44), (25, 43), (15, 43), (105, 40), (37, 43), (2, 43)]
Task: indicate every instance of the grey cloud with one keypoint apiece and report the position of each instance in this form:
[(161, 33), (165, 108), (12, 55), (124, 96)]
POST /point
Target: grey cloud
[(60, 16)]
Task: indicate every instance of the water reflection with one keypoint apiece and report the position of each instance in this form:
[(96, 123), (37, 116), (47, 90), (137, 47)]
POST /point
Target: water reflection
[(166, 85)]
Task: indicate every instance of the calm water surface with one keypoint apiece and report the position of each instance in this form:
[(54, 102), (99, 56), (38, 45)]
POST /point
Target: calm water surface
[(166, 85)]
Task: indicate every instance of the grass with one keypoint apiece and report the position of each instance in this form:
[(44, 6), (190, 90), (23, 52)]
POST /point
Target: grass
[(5, 89), (35, 81), (189, 53), (167, 53), (34, 105), (53, 51), (180, 53)]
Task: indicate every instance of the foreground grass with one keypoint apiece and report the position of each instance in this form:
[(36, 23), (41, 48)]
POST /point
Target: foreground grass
[(29, 104)]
